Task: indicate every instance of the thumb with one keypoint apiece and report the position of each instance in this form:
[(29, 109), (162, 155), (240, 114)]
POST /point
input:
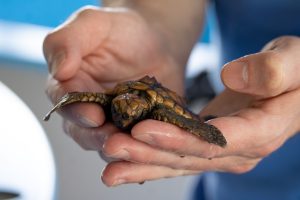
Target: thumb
[(258, 74), (266, 74), (65, 47)]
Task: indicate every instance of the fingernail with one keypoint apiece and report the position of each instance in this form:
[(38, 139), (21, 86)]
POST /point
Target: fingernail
[(119, 182), (235, 75), (147, 138), (56, 63), (88, 123), (121, 154)]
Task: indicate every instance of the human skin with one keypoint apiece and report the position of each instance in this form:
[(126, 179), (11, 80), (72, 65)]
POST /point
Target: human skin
[(98, 48)]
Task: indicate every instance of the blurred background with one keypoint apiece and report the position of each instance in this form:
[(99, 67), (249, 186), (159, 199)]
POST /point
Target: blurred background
[(23, 26)]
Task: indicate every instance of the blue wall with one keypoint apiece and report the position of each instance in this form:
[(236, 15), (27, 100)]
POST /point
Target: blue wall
[(41, 12), (52, 12)]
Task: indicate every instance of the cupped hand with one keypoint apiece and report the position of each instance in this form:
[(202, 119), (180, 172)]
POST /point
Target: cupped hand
[(97, 48), (257, 112)]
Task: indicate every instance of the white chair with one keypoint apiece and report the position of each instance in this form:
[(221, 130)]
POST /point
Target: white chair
[(26, 161)]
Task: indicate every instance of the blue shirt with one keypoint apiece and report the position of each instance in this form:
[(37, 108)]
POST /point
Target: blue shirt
[(245, 27)]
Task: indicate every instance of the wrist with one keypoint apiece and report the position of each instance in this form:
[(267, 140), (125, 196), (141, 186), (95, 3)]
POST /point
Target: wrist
[(177, 23)]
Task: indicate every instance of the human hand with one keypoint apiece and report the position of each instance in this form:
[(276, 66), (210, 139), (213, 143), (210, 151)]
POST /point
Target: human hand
[(258, 112), (98, 48)]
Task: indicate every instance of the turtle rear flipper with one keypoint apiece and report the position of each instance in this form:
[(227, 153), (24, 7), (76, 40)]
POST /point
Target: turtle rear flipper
[(205, 131), (73, 97)]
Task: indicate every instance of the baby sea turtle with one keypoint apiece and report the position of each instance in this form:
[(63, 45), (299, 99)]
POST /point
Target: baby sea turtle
[(132, 101)]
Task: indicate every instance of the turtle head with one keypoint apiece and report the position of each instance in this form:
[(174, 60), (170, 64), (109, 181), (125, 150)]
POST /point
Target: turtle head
[(128, 109)]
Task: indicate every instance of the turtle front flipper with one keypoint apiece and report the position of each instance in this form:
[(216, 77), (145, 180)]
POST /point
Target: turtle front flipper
[(73, 97), (203, 130)]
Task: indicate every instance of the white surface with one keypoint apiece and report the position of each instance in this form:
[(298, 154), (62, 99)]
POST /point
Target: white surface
[(22, 41), (203, 57), (27, 165)]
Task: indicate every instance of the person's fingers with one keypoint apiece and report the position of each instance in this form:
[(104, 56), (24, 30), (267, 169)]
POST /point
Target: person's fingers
[(89, 138), (226, 103), (68, 44), (124, 147), (246, 131), (106, 158), (122, 172), (268, 73), (84, 114), (64, 49), (174, 139)]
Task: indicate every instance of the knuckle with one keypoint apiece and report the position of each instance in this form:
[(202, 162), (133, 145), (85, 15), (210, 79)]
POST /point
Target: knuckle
[(66, 127), (113, 144), (265, 151), (86, 11), (84, 146), (48, 41), (72, 131), (96, 140), (49, 38), (78, 139), (261, 152), (285, 40), (105, 158), (241, 169), (54, 44), (273, 70), (280, 42), (76, 136)]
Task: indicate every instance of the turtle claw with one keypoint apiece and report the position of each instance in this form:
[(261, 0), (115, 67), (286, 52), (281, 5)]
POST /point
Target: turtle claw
[(66, 99), (47, 116), (73, 97)]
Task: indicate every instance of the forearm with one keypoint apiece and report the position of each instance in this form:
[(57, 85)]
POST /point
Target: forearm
[(179, 22)]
